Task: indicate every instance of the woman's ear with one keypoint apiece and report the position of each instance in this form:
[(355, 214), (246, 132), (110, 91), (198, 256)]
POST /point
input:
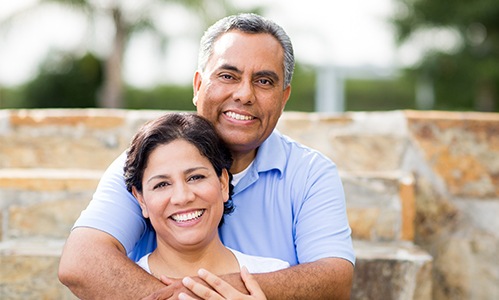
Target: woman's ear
[(224, 180), (140, 199)]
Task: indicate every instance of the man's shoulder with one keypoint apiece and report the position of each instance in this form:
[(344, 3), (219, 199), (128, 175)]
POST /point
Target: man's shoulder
[(294, 147)]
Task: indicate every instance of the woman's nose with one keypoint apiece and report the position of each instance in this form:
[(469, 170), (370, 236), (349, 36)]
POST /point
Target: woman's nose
[(181, 194)]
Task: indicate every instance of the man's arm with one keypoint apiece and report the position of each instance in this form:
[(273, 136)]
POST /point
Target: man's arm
[(94, 265), (327, 278)]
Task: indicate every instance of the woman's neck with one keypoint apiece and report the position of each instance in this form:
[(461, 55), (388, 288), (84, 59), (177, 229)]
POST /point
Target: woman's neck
[(177, 264)]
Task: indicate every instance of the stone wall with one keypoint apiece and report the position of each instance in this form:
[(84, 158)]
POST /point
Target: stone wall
[(453, 159), (422, 189)]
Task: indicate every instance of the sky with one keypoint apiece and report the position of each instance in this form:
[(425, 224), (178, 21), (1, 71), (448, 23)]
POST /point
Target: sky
[(346, 34)]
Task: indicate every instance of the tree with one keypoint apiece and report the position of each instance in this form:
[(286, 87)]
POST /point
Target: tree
[(65, 82), (464, 70), (128, 17)]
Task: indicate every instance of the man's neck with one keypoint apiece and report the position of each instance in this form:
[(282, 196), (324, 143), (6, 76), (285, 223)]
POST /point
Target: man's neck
[(242, 160)]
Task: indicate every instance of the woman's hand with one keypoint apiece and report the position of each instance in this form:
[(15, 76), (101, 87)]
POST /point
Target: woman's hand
[(220, 288)]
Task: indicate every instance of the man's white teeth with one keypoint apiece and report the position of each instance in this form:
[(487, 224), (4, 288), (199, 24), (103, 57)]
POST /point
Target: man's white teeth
[(188, 216), (233, 115)]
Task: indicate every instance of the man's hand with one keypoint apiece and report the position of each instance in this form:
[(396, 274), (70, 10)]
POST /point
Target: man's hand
[(219, 289), (173, 288)]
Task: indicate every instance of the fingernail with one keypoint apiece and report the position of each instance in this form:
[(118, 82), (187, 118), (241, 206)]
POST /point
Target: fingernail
[(202, 272)]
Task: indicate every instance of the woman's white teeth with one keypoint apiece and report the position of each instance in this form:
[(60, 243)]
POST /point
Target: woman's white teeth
[(233, 115), (188, 216)]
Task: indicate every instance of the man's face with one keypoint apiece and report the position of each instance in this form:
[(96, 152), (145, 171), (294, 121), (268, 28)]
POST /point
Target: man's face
[(241, 89)]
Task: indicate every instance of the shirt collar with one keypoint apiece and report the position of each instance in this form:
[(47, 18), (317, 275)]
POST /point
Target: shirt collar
[(271, 154)]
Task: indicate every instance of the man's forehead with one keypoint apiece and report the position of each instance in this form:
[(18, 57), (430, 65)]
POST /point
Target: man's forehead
[(237, 38)]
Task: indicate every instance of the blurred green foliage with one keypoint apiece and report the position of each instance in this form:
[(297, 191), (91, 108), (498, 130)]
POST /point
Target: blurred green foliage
[(466, 77), (66, 81), (166, 97), (63, 82), (379, 95), (302, 89)]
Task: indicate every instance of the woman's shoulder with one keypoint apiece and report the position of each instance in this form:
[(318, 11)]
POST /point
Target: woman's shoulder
[(259, 264)]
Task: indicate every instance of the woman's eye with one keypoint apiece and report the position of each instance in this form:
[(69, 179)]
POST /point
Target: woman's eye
[(160, 185), (196, 177)]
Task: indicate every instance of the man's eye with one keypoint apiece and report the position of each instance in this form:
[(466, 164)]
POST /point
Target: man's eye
[(265, 82), (226, 76)]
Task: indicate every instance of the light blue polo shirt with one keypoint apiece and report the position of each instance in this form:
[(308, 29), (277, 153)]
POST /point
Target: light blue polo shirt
[(290, 205)]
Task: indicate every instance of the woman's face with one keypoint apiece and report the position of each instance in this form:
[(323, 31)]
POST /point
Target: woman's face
[(182, 195)]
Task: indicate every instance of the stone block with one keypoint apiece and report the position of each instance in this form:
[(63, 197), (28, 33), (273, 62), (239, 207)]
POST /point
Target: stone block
[(44, 203), (461, 148), (391, 271), (62, 138), (380, 206), (29, 271)]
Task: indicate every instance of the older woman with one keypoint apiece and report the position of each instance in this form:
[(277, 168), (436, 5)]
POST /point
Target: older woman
[(177, 168)]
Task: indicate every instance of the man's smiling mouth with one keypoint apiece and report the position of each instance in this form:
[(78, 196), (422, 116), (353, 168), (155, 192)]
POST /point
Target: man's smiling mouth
[(239, 117)]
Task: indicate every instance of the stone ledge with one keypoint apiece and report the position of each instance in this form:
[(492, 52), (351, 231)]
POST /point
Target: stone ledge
[(43, 203), (388, 271), (29, 270), (391, 271), (380, 205), (49, 179)]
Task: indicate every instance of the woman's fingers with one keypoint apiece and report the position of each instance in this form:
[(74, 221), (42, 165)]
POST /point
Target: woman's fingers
[(252, 285), (199, 289), (221, 289)]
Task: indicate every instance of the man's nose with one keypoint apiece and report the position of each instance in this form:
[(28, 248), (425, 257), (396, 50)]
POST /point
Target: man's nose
[(245, 92)]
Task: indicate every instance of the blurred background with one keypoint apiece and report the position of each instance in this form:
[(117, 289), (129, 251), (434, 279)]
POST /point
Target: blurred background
[(350, 55)]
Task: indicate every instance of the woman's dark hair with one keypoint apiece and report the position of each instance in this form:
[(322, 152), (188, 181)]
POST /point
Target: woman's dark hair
[(170, 127)]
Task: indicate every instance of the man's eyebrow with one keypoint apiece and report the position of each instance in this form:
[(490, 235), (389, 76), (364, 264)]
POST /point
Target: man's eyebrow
[(229, 68), (266, 73)]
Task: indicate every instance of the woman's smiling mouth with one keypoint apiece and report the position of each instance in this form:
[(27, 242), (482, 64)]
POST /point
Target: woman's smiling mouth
[(185, 217)]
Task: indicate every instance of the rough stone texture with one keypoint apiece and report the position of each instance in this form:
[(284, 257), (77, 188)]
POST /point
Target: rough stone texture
[(29, 271), (427, 177), (43, 203), (390, 271), (375, 205), (61, 138), (456, 161), (462, 149)]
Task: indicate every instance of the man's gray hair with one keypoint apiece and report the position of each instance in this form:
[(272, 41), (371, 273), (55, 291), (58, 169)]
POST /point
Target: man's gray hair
[(247, 23)]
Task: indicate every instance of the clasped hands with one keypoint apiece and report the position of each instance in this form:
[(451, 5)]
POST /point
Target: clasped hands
[(209, 286)]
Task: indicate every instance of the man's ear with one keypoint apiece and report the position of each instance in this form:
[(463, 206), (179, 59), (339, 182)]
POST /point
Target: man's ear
[(286, 95), (140, 199), (196, 84)]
